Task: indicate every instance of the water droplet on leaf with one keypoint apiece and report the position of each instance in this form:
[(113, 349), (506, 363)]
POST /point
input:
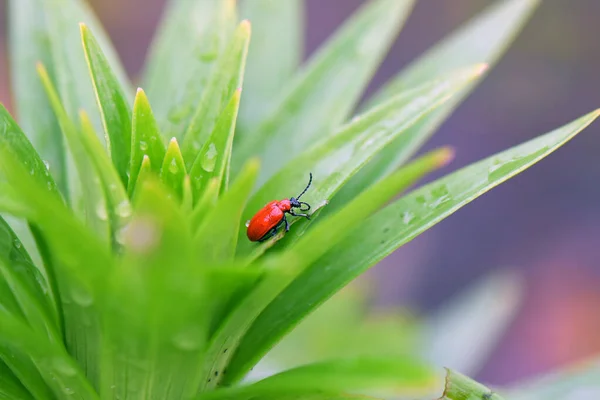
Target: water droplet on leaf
[(173, 167), (209, 159)]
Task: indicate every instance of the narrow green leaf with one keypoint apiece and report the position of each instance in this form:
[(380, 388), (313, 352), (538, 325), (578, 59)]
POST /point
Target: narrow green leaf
[(24, 369), (461, 387), (146, 139), (173, 169), (489, 308), (112, 102), (71, 245), (117, 202), (10, 386), (334, 160), (46, 31), (27, 47), (59, 370), (192, 36), (205, 203), (273, 322), (274, 55), (93, 205), (153, 316), (26, 284), (326, 91), (498, 25), (400, 376), (145, 171), (222, 85), (387, 230), (14, 141), (213, 159), (217, 237)]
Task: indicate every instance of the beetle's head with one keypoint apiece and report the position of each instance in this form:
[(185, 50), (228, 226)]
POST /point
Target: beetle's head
[(299, 204)]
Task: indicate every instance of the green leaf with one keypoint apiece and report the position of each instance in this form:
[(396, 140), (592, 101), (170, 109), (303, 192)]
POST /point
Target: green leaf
[(27, 47), (465, 331), (146, 139), (217, 237), (498, 25), (400, 376), (277, 36), (145, 171), (205, 203), (14, 141), (461, 387), (214, 158), (93, 205), (574, 381), (326, 91), (117, 202), (222, 85), (192, 36), (68, 245), (46, 31), (112, 102), (345, 326), (384, 232), (26, 285), (276, 319), (153, 315), (58, 369), (334, 160), (24, 369), (173, 169), (10, 386)]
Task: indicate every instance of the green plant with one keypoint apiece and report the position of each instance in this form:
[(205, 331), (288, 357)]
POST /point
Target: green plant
[(125, 270)]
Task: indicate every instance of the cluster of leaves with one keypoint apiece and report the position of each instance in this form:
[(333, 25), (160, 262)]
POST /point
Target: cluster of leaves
[(125, 272)]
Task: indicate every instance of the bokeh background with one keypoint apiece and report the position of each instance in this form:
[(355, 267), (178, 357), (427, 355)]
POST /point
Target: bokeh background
[(545, 224)]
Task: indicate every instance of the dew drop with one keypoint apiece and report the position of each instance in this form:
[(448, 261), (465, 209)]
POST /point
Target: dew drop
[(123, 209), (143, 145), (188, 340), (17, 243), (68, 391), (63, 367), (101, 211), (209, 159), (81, 297), (31, 171), (47, 165), (173, 167), (407, 217), (247, 223)]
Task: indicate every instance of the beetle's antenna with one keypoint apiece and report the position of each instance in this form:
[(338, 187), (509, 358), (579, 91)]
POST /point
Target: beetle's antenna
[(307, 186)]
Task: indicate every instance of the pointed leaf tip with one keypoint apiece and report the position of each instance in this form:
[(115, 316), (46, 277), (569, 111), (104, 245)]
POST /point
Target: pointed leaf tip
[(246, 26), (445, 156)]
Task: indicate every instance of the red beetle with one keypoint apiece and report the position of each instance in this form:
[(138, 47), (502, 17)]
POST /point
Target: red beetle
[(269, 219)]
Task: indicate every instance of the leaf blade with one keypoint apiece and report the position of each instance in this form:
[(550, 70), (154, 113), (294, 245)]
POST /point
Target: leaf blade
[(355, 253), (222, 85), (277, 35), (112, 102), (321, 97), (499, 25), (334, 160)]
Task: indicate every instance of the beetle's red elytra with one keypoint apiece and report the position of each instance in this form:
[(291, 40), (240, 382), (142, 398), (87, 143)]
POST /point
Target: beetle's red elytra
[(267, 221)]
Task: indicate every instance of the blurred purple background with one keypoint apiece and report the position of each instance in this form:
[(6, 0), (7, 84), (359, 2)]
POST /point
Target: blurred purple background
[(544, 223)]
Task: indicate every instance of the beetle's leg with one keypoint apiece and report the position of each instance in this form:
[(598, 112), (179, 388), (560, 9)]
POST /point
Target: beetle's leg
[(299, 214), (287, 224)]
